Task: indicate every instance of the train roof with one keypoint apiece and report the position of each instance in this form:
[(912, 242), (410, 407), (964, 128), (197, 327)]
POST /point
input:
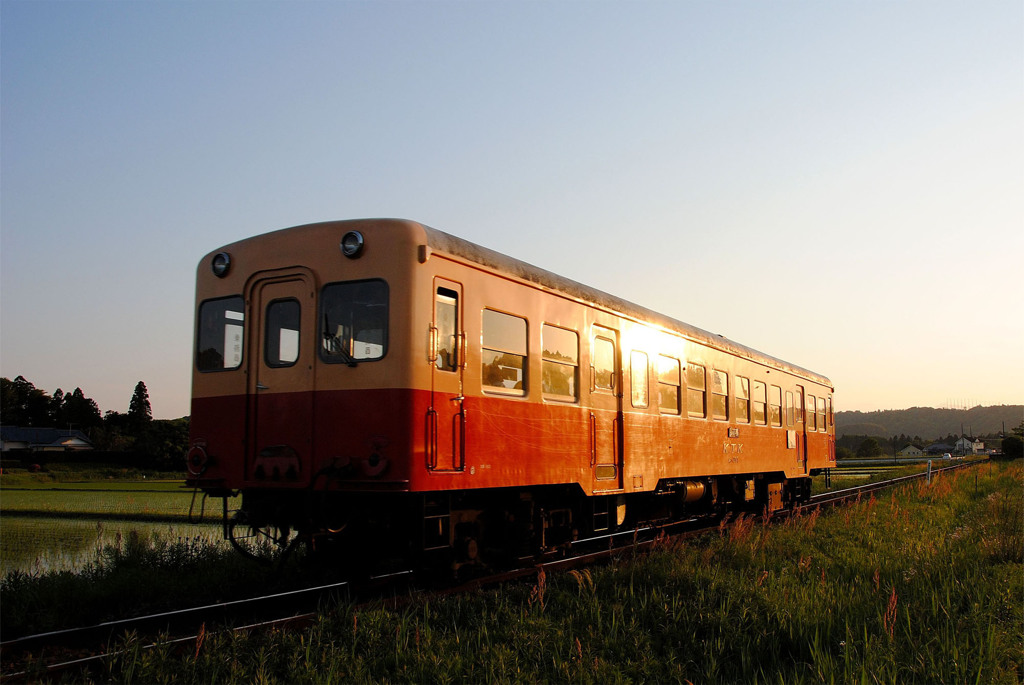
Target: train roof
[(458, 248), (439, 241)]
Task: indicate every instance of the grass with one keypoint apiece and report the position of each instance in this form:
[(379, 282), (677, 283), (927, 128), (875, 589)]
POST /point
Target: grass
[(131, 575), (140, 502), (72, 472), (924, 585), (81, 547), (36, 545), (851, 476), (57, 520)]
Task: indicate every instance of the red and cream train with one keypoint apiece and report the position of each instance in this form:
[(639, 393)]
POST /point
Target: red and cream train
[(397, 390)]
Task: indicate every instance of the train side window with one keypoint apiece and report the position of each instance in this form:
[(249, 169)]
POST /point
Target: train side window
[(799, 405), (561, 353), (821, 414), (668, 385), (446, 306), (811, 424), (775, 403), (696, 390), (281, 342), (831, 414), (719, 395), (604, 364), (742, 399), (354, 320), (790, 410), (503, 354), (220, 334), (759, 392), (638, 378)]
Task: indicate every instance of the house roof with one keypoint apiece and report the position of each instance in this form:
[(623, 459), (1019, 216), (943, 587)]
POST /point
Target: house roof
[(44, 437)]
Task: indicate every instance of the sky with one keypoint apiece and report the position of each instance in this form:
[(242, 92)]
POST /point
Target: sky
[(838, 184)]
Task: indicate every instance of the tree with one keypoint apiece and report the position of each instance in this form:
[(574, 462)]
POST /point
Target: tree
[(163, 444), (139, 411), (869, 448), (58, 412), (1013, 447), (23, 404), (844, 453), (82, 412), (116, 434)]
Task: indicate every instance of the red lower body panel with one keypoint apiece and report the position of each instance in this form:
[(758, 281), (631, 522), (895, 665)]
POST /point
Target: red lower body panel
[(384, 440)]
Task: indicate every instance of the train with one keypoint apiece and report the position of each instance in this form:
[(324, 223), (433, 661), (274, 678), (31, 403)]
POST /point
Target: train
[(382, 388)]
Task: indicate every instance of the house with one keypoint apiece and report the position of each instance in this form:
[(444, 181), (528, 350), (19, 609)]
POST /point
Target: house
[(967, 445), (939, 448), (911, 451), (15, 439)]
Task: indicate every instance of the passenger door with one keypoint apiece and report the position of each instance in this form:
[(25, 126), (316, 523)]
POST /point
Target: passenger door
[(801, 429), (606, 439), (446, 425), (281, 378)]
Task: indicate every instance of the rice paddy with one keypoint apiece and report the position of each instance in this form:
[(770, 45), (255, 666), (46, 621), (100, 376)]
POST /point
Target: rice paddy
[(54, 524)]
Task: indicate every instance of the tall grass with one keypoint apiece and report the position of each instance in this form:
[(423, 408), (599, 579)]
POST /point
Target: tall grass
[(132, 574), (924, 585)]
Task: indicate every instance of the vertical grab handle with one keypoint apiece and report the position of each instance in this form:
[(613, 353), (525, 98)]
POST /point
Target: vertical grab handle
[(431, 436), (432, 344), (593, 440)]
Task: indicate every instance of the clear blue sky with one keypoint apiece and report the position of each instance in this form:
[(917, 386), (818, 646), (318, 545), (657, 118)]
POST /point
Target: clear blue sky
[(839, 184)]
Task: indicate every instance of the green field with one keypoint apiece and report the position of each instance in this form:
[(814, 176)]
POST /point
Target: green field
[(62, 520), (144, 500)]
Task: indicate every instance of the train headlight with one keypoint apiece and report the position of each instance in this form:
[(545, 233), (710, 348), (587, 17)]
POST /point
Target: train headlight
[(198, 460), (352, 244), (221, 264)]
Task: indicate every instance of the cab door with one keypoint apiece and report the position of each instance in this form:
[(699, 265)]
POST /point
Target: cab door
[(281, 368), (446, 419), (606, 437)]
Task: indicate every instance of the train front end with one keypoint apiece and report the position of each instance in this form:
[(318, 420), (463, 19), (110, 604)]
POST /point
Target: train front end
[(300, 382)]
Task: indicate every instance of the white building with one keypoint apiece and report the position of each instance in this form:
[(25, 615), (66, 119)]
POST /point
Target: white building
[(967, 445)]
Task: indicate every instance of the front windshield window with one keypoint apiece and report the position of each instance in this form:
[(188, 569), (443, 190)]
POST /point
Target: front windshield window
[(354, 321), (220, 334)]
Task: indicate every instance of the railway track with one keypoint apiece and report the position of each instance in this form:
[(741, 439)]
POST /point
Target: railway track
[(839, 496), (82, 648)]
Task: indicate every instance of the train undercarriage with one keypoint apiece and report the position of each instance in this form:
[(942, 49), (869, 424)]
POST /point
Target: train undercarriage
[(469, 532)]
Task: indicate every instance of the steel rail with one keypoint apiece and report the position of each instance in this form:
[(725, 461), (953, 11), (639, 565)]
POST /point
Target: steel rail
[(839, 496), (169, 621)]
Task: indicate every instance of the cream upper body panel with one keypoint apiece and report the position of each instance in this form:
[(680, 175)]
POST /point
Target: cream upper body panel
[(408, 257)]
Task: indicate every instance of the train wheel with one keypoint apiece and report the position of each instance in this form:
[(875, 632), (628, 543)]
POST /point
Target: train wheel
[(263, 543)]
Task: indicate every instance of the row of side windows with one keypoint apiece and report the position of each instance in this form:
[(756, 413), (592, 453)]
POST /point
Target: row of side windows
[(707, 394), (504, 352), (504, 369)]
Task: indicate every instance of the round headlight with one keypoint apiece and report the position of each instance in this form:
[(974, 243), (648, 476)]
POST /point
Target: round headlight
[(352, 244), (221, 264)]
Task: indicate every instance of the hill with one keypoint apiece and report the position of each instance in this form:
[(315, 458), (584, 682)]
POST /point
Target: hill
[(928, 422)]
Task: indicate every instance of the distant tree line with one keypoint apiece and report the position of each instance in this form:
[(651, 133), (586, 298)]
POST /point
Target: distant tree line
[(930, 422), (868, 446), (156, 443)]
